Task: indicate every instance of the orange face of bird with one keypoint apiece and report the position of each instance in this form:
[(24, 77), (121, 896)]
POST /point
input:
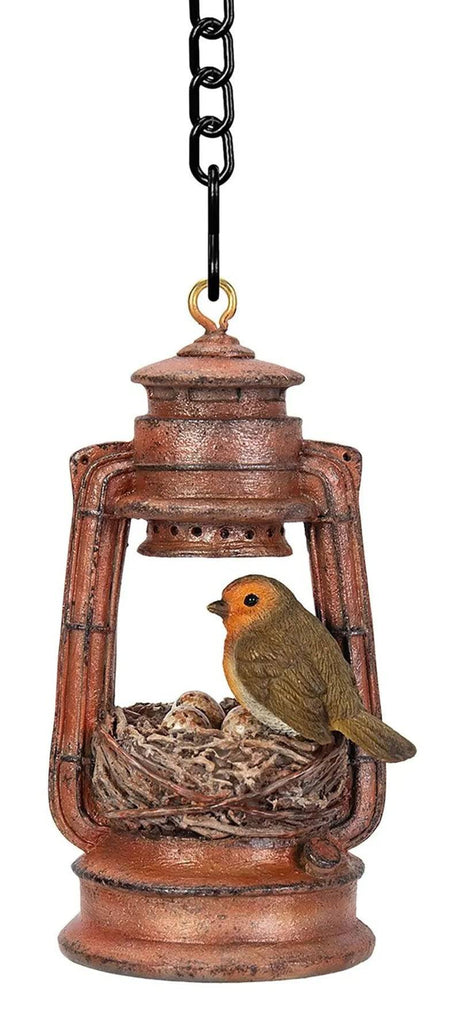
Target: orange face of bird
[(245, 602)]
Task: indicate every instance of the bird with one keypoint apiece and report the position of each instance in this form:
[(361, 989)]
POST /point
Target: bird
[(284, 666)]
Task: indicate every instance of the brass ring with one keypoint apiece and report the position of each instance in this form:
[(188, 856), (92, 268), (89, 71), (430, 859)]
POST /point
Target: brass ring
[(202, 319)]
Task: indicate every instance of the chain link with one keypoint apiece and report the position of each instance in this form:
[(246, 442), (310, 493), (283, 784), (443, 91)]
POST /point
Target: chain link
[(211, 77)]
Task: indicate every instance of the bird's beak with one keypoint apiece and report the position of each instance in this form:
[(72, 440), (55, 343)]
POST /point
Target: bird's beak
[(219, 608)]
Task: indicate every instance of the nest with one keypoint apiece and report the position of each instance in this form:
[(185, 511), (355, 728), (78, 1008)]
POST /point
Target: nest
[(208, 784)]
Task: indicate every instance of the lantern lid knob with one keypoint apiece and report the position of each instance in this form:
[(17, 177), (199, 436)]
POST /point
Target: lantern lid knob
[(216, 344)]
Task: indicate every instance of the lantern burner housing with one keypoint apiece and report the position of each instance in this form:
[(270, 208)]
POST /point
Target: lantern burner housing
[(216, 459)]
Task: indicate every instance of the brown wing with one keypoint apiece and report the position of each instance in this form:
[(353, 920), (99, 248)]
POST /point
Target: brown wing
[(289, 685)]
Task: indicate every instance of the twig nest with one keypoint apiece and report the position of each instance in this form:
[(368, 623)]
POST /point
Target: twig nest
[(185, 719), (206, 704), (163, 770), (239, 723)]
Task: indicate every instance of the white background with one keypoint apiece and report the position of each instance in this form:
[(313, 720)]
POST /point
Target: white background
[(341, 233)]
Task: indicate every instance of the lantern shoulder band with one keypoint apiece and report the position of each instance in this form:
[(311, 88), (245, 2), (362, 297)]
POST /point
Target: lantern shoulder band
[(216, 469)]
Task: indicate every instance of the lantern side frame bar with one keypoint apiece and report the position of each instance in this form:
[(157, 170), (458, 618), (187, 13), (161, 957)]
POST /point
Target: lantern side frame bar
[(87, 651), (332, 474)]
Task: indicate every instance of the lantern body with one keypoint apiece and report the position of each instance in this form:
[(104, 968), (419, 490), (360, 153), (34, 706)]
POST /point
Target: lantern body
[(217, 469)]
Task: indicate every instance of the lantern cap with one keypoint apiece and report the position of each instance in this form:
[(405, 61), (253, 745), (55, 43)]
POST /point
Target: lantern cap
[(216, 359)]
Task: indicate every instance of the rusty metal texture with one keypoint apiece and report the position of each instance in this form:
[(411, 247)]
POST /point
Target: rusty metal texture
[(214, 911), (216, 431), (86, 666), (216, 468), (331, 474)]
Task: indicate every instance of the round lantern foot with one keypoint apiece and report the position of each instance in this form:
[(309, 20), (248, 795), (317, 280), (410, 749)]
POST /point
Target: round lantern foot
[(220, 911), (109, 952)]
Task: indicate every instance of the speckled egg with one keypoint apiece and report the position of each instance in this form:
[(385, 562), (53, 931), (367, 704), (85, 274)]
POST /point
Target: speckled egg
[(204, 703), (240, 723), (185, 719)]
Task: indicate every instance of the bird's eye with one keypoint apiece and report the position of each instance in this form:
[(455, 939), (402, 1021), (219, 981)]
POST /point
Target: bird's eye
[(251, 600)]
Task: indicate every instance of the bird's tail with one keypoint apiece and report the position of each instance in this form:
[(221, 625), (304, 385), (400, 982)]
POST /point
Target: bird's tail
[(376, 738)]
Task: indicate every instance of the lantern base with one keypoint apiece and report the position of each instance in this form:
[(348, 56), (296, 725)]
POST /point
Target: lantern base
[(217, 911)]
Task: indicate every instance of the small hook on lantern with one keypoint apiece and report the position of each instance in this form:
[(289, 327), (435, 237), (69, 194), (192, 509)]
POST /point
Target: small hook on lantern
[(202, 319)]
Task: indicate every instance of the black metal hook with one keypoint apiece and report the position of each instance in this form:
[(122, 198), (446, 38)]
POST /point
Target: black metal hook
[(213, 233)]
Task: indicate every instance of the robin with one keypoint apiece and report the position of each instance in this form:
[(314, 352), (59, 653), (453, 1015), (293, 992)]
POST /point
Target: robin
[(283, 665)]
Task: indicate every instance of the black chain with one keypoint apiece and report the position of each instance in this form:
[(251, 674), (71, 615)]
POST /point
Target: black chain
[(210, 126)]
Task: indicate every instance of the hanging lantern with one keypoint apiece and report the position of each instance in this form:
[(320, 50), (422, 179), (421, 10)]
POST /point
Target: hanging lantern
[(243, 871)]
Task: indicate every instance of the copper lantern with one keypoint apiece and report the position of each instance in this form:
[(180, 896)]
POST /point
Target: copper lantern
[(216, 468)]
